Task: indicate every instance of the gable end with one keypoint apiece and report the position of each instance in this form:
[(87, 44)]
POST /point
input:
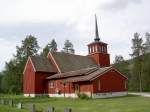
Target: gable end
[(29, 60)]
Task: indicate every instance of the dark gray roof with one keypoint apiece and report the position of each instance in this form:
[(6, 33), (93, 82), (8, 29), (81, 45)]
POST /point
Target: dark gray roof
[(70, 62), (41, 64), (81, 75)]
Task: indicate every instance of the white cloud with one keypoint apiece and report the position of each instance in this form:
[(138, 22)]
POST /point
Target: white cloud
[(73, 20), (7, 50)]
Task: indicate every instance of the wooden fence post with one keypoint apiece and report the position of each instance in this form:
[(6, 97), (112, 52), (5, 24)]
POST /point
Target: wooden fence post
[(32, 108), (50, 109), (11, 103), (67, 110)]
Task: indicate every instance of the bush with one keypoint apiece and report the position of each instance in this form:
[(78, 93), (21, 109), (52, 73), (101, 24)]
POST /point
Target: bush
[(82, 96)]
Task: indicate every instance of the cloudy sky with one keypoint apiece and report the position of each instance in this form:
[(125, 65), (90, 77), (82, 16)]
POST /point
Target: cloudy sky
[(73, 20)]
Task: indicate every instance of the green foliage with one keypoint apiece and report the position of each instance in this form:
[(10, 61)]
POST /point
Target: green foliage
[(118, 59), (13, 73), (82, 96), (120, 104), (1, 77), (52, 47), (127, 68), (147, 43), (68, 47), (138, 68), (28, 47)]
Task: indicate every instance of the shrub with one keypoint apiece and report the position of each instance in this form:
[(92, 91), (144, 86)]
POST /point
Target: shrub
[(82, 96)]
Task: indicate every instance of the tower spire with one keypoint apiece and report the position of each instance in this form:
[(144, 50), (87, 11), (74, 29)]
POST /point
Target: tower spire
[(96, 31)]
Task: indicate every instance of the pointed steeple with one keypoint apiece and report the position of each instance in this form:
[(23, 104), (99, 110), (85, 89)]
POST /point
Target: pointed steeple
[(96, 31)]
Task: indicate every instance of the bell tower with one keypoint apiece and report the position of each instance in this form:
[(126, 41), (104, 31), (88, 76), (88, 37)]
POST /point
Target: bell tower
[(98, 49)]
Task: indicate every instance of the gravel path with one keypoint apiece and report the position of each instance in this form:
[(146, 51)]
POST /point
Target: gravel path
[(141, 94)]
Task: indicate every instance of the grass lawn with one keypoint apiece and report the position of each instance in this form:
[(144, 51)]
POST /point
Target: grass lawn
[(121, 104)]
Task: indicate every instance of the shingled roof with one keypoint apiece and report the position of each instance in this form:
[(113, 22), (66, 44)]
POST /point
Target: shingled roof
[(70, 62), (81, 75), (41, 64)]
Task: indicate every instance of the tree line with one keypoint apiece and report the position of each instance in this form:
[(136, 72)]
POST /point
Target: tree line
[(137, 69), (11, 78)]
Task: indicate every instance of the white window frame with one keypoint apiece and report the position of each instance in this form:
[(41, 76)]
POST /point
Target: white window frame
[(90, 49), (52, 84)]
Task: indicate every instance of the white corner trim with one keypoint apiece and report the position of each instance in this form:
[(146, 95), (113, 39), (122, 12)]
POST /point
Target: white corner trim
[(55, 62), (111, 68), (25, 66), (29, 59), (26, 95), (109, 94), (120, 73), (34, 95)]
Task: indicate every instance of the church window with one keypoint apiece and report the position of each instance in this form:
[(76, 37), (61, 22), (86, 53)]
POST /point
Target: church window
[(52, 84), (96, 48), (93, 49), (90, 49)]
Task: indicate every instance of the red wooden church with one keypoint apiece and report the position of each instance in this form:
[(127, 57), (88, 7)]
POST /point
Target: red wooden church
[(62, 74)]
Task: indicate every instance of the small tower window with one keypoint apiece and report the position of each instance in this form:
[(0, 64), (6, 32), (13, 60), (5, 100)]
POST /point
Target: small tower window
[(93, 49), (99, 48), (96, 48), (90, 49), (102, 49), (52, 84)]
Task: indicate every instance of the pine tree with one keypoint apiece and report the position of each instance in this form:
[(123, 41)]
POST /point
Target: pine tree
[(13, 73), (52, 47), (68, 47), (118, 59), (1, 77), (28, 48), (147, 43), (137, 48)]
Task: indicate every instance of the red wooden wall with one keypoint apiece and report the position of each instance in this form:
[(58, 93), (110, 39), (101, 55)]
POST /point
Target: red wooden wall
[(34, 82), (68, 88), (111, 81), (101, 59), (29, 79)]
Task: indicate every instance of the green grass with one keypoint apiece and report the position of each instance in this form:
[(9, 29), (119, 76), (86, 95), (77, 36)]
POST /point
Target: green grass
[(121, 104)]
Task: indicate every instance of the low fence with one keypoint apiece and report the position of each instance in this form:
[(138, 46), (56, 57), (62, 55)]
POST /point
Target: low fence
[(29, 107)]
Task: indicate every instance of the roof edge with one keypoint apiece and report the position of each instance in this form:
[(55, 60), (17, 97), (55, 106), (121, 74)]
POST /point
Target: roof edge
[(29, 59), (59, 70)]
